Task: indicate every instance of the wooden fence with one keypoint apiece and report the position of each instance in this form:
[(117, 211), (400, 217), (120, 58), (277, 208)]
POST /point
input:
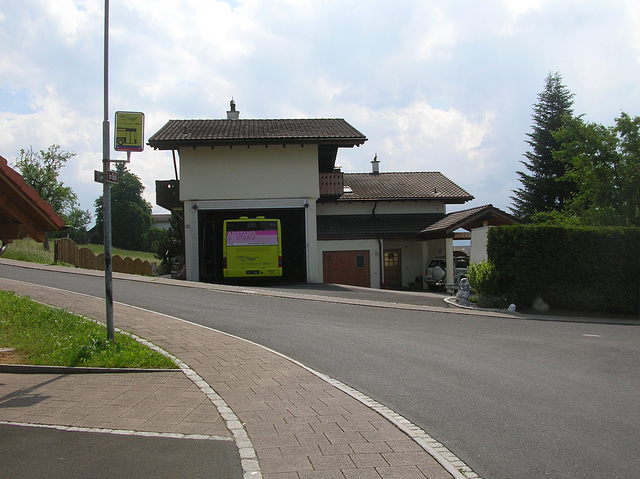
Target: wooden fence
[(66, 251)]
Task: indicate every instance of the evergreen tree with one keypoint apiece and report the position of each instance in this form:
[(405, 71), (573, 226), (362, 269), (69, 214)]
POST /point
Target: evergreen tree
[(130, 213), (545, 187)]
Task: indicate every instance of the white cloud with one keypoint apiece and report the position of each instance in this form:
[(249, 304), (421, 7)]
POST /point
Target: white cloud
[(444, 86), (438, 38), (71, 20)]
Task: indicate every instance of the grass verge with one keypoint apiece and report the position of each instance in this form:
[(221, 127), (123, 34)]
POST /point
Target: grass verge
[(46, 336), (144, 256), (30, 250)]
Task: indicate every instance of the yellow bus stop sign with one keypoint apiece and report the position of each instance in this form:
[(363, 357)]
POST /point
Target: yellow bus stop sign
[(129, 135)]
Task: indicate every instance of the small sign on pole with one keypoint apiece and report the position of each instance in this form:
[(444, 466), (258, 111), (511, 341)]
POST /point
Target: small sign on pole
[(112, 177), (129, 134)]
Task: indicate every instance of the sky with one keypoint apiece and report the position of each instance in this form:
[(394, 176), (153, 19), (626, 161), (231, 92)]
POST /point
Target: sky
[(444, 86)]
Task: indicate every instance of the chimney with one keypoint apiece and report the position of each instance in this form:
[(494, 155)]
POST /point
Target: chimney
[(375, 166), (233, 114)]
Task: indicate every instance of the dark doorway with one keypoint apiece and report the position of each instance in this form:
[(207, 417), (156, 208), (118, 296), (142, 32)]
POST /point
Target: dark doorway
[(294, 243)]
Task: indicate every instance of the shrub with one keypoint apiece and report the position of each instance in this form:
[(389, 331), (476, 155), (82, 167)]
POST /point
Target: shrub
[(581, 268), (483, 278)]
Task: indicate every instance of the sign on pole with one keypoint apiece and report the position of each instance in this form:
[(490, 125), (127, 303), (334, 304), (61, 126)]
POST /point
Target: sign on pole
[(129, 134), (112, 176)]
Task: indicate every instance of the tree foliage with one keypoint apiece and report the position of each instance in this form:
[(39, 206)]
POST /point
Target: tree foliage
[(604, 164), (131, 219), (41, 171), (541, 189)]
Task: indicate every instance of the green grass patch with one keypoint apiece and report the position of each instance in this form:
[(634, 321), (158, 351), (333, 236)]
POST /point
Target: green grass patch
[(55, 337), (144, 256), (29, 250)]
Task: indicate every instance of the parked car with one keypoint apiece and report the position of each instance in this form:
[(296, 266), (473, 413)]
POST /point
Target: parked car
[(436, 273), (460, 270)]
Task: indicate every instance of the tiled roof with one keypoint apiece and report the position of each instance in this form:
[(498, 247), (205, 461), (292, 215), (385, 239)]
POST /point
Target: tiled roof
[(468, 219), (373, 226), (22, 211), (403, 186), (176, 133)]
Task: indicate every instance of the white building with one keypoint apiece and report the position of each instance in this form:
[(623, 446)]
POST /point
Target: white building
[(368, 229)]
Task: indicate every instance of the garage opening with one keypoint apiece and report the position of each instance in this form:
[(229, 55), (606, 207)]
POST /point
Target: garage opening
[(294, 262)]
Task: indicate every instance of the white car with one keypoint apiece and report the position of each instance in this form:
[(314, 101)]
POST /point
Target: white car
[(436, 273)]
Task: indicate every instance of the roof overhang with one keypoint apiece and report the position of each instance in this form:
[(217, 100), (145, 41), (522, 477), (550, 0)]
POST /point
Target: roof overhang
[(230, 143), (176, 134), (348, 227), (470, 219), (443, 199)]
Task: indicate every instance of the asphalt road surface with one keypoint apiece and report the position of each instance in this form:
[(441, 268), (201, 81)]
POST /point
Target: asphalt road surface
[(512, 397)]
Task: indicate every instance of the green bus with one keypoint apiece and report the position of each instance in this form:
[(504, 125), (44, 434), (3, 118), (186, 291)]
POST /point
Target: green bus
[(252, 247)]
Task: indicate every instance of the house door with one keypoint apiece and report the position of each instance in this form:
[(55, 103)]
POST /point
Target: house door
[(393, 267), (346, 267)]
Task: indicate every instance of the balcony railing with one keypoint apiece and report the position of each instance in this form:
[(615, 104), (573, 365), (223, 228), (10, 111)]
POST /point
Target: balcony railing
[(331, 184)]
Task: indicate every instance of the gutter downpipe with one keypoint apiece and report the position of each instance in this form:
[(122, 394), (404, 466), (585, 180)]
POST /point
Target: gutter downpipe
[(175, 164)]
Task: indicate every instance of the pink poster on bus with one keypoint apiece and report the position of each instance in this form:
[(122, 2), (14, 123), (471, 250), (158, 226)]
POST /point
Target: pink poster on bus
[(252, 238)]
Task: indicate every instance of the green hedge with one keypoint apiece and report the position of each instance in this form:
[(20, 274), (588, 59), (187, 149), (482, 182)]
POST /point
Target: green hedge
[(592, 269)]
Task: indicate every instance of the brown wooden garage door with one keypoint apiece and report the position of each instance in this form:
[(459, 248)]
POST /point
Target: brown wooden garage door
[(346, 267)]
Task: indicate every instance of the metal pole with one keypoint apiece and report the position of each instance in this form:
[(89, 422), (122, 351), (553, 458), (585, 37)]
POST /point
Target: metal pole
[(106, 187)]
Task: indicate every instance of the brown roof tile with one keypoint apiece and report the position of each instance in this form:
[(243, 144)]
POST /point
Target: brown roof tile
[(468, 219), (176, 133), (403, 186)]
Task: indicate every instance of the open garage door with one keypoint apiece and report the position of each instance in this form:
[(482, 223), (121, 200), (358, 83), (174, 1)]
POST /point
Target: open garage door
[(294, 257)]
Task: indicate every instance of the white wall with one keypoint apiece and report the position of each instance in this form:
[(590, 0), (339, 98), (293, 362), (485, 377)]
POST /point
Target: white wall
[(437, 247), (191, 241), (479, 244), (415, 256), (249, 173), (245, 178), (414, 261)]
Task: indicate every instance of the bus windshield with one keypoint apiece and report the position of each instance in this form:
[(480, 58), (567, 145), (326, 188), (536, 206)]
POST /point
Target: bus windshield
[(245, 233), (252, 247)]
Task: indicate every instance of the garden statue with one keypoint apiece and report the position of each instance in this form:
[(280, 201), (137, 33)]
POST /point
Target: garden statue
[(464, 292)]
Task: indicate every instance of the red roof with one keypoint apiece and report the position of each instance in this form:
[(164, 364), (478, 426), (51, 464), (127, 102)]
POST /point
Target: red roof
[(22, 211)]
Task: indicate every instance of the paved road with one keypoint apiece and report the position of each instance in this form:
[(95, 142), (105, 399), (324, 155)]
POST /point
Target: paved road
[(512, 397)]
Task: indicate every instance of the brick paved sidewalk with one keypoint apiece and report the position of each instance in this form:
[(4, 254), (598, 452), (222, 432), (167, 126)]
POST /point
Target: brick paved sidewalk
[(300, 425)]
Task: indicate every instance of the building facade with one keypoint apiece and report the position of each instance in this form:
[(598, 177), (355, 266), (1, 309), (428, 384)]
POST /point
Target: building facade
[(349, 228)]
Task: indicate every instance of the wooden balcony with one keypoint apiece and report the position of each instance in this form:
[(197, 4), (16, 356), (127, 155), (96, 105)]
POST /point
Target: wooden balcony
[(331, 185)]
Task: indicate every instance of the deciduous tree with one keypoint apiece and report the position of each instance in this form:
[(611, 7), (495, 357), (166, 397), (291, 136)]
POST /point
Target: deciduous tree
[(130, 213), (604, 165), (41, 171)]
